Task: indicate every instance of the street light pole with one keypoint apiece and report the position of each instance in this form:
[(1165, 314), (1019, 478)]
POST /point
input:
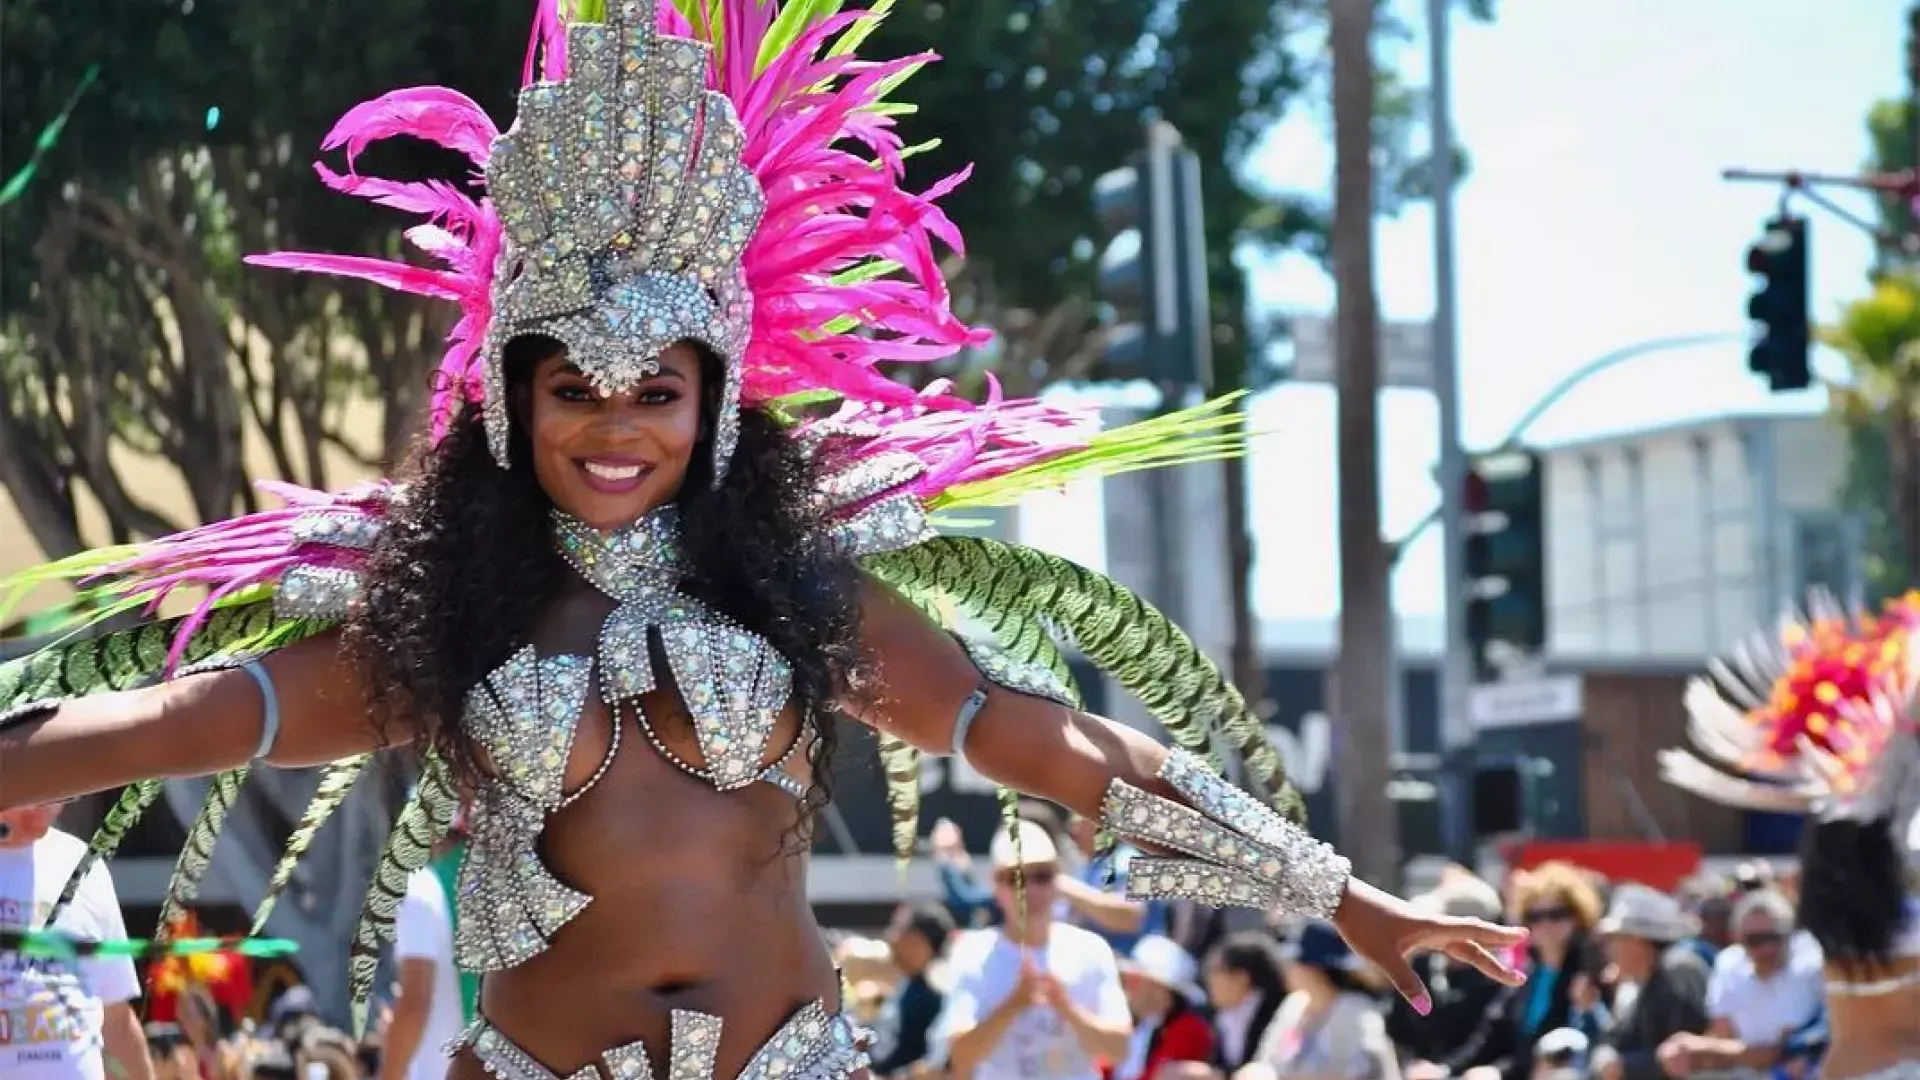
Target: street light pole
[(1456, 730)]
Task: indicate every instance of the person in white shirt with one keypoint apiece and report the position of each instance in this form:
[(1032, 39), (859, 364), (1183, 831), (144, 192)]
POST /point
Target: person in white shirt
[(428, 1013), (1765, 986), (1045, 1004), (61, 1021)]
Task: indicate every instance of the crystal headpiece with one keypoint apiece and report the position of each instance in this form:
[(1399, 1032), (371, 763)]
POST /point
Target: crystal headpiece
[(734, 179), (626, 208)]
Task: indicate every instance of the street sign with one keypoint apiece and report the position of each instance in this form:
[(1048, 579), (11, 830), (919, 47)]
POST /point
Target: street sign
[(1522, 704), (1406, 353)]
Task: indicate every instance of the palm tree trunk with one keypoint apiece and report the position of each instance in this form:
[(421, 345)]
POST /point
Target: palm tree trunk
[(1359, 695)]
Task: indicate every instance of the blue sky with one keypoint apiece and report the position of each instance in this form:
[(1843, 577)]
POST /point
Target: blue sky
[(1594, 217)]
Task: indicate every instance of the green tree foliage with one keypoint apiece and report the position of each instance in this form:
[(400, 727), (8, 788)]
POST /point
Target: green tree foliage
[(1879, 336)]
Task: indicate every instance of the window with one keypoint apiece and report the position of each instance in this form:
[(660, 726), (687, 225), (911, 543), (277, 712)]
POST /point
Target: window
[(1823, 556)]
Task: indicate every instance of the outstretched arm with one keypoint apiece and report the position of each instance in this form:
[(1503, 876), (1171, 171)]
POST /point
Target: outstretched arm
[(921, 683), (190, 726)]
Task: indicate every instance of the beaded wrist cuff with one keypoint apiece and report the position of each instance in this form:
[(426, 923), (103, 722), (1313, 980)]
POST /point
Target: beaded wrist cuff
[(1240, 853)]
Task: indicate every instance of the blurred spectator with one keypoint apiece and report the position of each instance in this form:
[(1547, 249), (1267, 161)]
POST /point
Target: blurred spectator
[(169, 1054), (968, 900), (1559, 906), (1662, 982), (1764, 992), (1165, 1001), (1047, 1003), (917, 937), (1461, 994), (1095, 892), (324, 1050), (204, 1026), (430, 1009), (1561, 1052), (1246, 988), (64, 1021), (295, 1008), (1330, 1027), (1714, 913)]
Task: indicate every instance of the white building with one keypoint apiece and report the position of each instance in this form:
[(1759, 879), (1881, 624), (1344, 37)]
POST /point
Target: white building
[(1673, 543)]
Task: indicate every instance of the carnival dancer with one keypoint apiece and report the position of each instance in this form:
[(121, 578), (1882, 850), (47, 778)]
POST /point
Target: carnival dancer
[(1821, 723), (622, 587)]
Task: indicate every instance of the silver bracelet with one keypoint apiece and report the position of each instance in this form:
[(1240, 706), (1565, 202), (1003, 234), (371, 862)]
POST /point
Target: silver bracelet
[(1230, 849), (270, 726), (969, 709)]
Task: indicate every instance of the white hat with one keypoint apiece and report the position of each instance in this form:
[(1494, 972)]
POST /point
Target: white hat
[(1462, 896), (1642, 912), (1036, 848), (1162, 960)]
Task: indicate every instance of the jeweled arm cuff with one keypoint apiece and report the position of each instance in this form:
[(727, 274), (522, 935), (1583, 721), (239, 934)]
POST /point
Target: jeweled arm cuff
[(1231, 849)]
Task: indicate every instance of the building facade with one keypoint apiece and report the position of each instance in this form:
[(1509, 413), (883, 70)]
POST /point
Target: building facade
[(1672, 544)]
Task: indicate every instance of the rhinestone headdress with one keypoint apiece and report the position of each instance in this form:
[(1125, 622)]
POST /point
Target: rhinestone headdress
[(626, 208), (665, 181)]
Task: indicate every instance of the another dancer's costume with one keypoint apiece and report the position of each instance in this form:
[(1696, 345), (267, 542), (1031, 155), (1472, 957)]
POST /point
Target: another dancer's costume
[(734, 182), (1819, 720)]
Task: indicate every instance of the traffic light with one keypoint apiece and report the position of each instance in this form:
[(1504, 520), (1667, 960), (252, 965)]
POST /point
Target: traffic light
[(1505, 560), (1779, 305), (1153, 266)]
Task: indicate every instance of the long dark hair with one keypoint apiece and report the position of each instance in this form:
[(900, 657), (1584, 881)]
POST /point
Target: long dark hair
[(1853, 891), (467, 565), (1252, 953)]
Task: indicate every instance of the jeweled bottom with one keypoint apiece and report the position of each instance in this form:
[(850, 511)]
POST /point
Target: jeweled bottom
[(812, 1045)]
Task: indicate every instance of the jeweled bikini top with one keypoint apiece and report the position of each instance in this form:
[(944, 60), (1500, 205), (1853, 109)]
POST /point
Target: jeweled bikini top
[(526, 713)]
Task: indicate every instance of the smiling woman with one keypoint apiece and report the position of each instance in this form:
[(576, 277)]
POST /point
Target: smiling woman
[(635, 570)]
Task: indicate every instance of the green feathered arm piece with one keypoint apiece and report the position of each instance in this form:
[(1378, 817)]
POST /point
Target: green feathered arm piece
[(1021, 593), (421, 824), (80, 666), (336, 783)]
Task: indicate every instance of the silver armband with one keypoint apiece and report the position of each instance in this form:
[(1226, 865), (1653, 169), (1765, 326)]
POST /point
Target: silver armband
[(1238, 852)]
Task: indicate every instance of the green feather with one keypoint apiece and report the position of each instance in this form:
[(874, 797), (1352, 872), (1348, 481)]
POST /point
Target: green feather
[(901, 762), (79, 666), (336, 783), (421, 824), (1009, 587), (197, 854), (1211, 431)]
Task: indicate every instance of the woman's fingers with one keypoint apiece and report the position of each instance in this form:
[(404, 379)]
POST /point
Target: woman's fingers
[(1407, 983), (1478, 955)]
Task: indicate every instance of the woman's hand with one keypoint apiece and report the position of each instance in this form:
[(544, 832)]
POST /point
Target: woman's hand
[(1385, 930)]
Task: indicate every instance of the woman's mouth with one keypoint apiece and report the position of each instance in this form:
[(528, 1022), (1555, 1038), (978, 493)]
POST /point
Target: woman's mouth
[(614, 476)]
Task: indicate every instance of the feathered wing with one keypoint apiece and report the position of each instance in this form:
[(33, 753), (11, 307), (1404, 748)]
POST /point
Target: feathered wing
[(1800, 720), (420, 825), (1019, 593)]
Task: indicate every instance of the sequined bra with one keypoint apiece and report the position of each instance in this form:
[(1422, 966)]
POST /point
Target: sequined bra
[(526, 713)]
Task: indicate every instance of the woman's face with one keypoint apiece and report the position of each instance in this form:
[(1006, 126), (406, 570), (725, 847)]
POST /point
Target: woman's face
[(610, 460), (1225, 986), (1550, 920)]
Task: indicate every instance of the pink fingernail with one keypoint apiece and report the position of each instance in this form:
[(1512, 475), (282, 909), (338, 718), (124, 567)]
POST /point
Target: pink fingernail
[(1423, 1004)]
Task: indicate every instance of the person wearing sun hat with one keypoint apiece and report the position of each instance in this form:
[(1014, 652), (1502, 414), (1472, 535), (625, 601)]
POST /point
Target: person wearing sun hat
[(1664, 981), (1032, 997), (1329, 1026), (1164, 996)]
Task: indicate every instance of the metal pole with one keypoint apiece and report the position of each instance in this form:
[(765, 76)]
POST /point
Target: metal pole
[(1456, 669)]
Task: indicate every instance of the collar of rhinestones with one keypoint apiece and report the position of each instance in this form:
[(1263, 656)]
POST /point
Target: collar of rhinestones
[(627, 562)]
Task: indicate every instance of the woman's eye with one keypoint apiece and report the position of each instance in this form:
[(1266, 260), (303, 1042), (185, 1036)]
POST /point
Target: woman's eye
[(574, 393), (659, 397)]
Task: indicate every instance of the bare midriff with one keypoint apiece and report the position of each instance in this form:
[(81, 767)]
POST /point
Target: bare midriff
[(699, 903)]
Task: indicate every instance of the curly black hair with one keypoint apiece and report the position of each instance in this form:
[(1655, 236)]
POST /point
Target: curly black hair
[(1853, 891), (467, 561)]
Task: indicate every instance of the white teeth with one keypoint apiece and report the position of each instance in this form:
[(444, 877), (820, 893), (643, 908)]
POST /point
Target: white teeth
[(613, 472)]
